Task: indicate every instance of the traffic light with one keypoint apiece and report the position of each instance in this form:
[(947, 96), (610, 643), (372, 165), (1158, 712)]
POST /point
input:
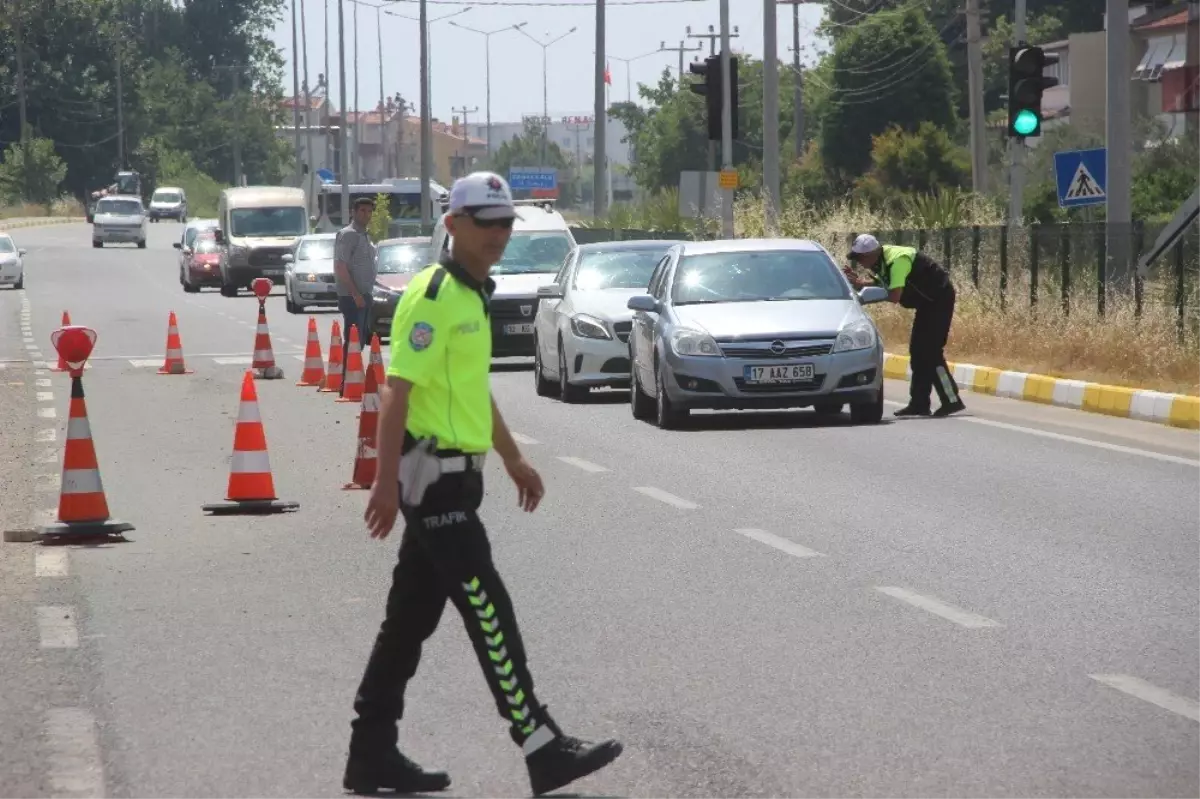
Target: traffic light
[(710, 70), (1026, 83)]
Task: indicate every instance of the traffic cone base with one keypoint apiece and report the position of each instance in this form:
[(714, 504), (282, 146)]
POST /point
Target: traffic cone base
[(108, 528), (250, 506)]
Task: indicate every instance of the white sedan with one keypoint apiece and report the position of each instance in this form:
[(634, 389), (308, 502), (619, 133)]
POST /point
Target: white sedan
[(12, 263), (581, 331)]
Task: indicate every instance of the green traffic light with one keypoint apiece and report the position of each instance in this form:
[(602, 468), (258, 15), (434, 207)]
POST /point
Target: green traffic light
[(1025, 123)]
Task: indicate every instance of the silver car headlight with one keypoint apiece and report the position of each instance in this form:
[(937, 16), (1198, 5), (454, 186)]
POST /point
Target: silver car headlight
[(858, 335), (586, 326), (694, 342)]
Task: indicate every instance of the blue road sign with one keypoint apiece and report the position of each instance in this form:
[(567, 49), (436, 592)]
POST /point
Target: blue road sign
[(532, 177), (325, 175), (1082, 177)]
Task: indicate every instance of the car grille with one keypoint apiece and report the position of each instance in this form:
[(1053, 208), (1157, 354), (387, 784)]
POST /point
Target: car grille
[(267, 256), (763, 350), (779, 388), (506, 310), (622, 329)]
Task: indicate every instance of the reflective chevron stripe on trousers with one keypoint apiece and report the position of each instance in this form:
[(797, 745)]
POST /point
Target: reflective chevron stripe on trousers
[(445, 554)]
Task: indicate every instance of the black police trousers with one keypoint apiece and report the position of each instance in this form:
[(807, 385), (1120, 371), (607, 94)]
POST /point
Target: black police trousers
[(927, 353), (445, 554)]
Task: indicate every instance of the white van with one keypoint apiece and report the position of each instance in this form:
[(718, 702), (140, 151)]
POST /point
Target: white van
[(540, 243), (256, 227)]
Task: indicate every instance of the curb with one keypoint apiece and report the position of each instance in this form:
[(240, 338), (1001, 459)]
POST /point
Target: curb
[(16, 224), (1175, 410)]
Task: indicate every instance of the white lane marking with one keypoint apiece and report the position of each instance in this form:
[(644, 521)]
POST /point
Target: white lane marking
[(45, 396), (299, 357), (782, 544), (75, 768), (46, 436), (1087, 442), (579, 463), (27, 339), (283, 340), (31, 346), (43, 382), (663, 496), (523, 439), (56, 625), (41, 372), (237, 360), (1147, 692), (47, 413), (938, 608), (145, 363), (51, 563)]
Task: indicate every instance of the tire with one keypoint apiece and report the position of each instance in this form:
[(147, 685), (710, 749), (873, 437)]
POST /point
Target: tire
[(566, 391), (97, 244), (291, 306), (228, 290), (868, 412), (542, 384), (828, 408), (142, 244), (20, 284), (667, 416), (188, 287), (641, 405)]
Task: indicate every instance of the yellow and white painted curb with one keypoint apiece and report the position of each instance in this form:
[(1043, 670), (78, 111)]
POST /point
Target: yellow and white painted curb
[(1176, 410), (14, 224)]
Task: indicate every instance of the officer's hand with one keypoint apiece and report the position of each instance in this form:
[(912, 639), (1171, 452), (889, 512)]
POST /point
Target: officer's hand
[(382, 508), (529, 483)]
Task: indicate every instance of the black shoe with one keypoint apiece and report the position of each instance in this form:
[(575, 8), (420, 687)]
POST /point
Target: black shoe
[(566, 759), (909, 410), (390, 770), (949, 408)]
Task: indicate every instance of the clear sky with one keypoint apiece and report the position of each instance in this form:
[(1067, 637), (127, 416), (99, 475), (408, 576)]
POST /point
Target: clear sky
[(634, 28)]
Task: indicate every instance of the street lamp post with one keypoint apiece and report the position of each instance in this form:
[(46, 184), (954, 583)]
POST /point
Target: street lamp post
[(545, 78), (487, 50), (628, 71)]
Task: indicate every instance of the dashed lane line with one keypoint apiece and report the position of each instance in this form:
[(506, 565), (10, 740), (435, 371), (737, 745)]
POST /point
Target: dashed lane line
[(48, 436), (938, 608), (663, 496), (45, 396), (520, 438), (47, 413), (782, 544), (51, 563), (1148, 692), (74, 763), (579, 463), (56, 626)]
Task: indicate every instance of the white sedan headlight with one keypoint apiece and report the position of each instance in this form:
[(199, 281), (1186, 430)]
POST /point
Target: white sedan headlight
[(858, 335), (586, 326), (694, 342)]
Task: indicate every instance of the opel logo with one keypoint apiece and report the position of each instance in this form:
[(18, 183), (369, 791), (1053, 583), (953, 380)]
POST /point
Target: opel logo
[(777, 347), (526, 310)]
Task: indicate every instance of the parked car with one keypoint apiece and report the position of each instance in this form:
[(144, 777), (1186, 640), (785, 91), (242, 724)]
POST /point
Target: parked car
[(753, 323), (12, 263), (202, 266), (309, 278), (168, 202), (119, 219), (398, 260), (581, 331)]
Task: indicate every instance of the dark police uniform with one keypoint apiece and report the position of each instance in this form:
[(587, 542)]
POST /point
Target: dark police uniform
[(927, 289), (441, 343)]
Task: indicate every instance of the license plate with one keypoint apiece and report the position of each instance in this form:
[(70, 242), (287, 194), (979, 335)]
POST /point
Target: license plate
[(273, 272), (518, 330), (789, 373)]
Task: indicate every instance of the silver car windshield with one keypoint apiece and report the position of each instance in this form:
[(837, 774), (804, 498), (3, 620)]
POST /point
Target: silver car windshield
[(529, 253), (119, 207), (315, 250), (757, 276), (396, 259), (6, 245), (616, 269), (165, 197)]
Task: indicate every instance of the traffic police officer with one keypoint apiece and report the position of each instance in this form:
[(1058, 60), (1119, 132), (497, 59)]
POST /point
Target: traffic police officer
[(914, 280), (437, 420)]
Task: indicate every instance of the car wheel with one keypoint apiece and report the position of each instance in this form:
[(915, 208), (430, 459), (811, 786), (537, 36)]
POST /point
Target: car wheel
[(20, 284), (544, 386), (828, 408), (142, 244), (228, 290), (291, 306), (868, 412), (187, 285), (566, 391), (641, 405), (97, 244), (667, 416)]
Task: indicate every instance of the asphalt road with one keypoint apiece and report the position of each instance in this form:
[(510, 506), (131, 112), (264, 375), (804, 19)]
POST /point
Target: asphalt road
[(998, 604)]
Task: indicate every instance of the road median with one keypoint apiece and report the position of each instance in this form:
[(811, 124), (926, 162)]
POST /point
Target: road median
[(38, 221), (1175, 410)]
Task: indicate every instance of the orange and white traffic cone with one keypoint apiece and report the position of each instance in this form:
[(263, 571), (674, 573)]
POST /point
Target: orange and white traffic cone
[(251, 486), (173, 364), (366, 458), (264, 357), (314, 365), (61, 366), (353, 390), (333, 375), (376, 361), (82, 506)]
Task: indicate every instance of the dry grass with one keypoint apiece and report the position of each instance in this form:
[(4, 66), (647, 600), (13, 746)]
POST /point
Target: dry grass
[(67, 206), (1118, 348)]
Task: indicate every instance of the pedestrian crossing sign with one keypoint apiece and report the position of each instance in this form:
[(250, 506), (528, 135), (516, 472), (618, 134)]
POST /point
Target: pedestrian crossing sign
[(1080, 176)]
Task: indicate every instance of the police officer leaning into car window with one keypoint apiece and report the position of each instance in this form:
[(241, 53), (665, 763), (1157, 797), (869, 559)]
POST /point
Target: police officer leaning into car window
[(914, 280), (437, 420)]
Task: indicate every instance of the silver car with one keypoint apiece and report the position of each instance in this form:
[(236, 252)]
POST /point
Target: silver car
[(581, 331), (753, 323), (309, 277), (119, 219)]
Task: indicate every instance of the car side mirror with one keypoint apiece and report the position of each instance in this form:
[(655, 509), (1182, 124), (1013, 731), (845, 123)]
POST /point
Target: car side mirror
[(178, 245), (288, 258), (872, 294), (219, 235), (550, 292), (22, 253), (643, 302)]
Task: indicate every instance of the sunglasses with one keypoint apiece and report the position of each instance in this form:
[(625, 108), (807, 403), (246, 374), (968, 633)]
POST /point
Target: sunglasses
[(489, 223)]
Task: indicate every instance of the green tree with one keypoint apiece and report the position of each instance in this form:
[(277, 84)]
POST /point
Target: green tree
[(915, 163), (31, 172), (381, 217), (868, 96), (526, 150)]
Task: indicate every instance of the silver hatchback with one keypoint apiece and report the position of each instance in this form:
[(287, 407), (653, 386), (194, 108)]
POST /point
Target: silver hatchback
[(753, 323)]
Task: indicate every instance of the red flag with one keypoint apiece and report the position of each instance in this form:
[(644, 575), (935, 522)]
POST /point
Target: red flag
[(607, 75)]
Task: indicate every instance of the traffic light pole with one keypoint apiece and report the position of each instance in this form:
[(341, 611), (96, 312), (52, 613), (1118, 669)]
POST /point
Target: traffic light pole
[(1016, 147), (1118, 231), (770, 123), (727, 120)]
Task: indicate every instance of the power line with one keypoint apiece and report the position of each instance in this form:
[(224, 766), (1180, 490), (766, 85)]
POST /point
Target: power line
[(548, 3)]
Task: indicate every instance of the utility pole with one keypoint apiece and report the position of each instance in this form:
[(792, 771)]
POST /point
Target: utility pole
[(487, 69), (1016, 146), (466, 112), (308, 150), (662, 48), (357, 108), (328, 95), (712, 37), (727, 121), (426, 122), (296, 98), (120, 111), (343, 166), (237, 126), (18, 33), (771, 179), (600, 113), (797, 81), (383, 122), (975, 91), (1118, 230), (545, 81)]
